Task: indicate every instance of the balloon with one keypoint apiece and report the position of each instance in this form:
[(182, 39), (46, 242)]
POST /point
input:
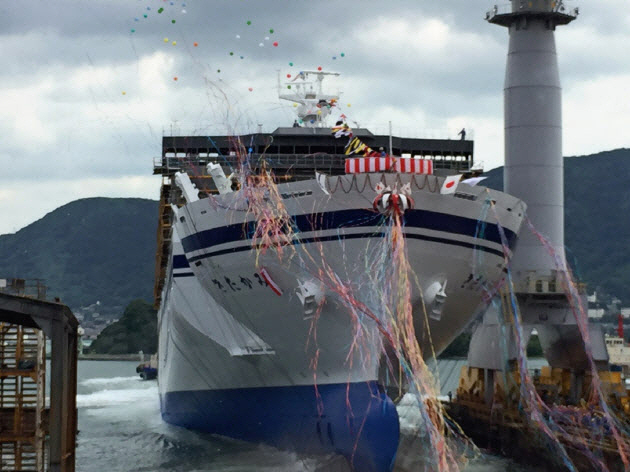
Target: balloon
[(136, 19), (319, 68), (166, 40), (124, 93), (319, 112), (242, 57), (183, 11), (312, 121), (275, 43), (250, 89), (288, 86), (288, 76), (238, 36), (249, 150), (133, 30), (295, 106), (334, 57), (249, 22), (148, 8), (160, 10), (262, 45), (144, 15), (342, 54), (231, 53), (349, 104), (271, 30), (266, 38), (218, 71), (195, 44), (174, 43), (291, 64), (173, 21), (175, 79)]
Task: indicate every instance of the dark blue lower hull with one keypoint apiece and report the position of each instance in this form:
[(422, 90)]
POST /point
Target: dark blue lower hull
[(356, 420)]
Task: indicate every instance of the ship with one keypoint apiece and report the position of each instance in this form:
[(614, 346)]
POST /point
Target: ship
[(265, 292)]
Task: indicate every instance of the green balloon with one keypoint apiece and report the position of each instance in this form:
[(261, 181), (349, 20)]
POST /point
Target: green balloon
[(173, 21), (271, 30), (249, 22), (291, 64)]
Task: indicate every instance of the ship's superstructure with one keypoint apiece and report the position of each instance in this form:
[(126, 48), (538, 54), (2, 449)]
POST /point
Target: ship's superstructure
[(270, 324)]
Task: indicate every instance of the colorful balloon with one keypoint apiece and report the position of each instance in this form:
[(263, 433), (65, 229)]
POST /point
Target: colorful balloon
[(288, 76), (319, 68), (133, 30), (174, 43), (231, 53), (195, 44), (124, 93), (175, 78), (173, 21), (249, 22), (291, 64), (275, 44), (160, 10), (250, 89), (271, 30), (166, 40), (342, 54), (289, 87)]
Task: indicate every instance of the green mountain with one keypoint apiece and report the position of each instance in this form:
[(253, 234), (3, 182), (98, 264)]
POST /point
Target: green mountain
[(597, 226), (135, 331), (94, 249)]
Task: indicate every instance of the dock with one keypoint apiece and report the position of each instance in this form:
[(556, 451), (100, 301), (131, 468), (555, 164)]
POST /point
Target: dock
[(34, 437)]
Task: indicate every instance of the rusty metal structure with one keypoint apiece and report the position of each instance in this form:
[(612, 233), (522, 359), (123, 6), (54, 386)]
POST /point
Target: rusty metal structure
[(32, 436)]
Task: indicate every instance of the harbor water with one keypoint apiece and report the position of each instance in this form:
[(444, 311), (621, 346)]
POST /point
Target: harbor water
[(120, 430)]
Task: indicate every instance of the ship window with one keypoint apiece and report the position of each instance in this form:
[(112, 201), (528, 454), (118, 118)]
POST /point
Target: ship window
[(301, 149), (552, 285), (539, 286), (272, 150), (286, 149)]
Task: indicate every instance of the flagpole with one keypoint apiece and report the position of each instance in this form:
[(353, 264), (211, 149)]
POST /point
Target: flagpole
[(391, 152)]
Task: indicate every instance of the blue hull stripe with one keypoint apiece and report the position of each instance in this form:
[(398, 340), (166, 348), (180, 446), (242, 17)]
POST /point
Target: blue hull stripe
[(350, 219), (421, 237), (293, 418)]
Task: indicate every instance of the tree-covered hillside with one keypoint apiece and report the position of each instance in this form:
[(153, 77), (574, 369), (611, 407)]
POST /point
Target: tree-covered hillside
[(94, 249), (135, 331)]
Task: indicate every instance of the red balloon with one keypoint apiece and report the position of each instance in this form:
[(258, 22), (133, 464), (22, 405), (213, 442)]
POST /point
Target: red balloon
[(288, 76), (319, 68), (275, 43)]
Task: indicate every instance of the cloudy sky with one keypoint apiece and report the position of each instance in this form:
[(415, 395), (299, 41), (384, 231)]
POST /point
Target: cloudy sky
[(88, 87)]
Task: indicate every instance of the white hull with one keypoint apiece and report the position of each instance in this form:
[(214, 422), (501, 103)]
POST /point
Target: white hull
[(223, 328)]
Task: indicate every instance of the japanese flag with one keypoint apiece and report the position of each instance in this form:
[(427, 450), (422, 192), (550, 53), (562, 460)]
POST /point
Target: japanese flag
[(450, 184)]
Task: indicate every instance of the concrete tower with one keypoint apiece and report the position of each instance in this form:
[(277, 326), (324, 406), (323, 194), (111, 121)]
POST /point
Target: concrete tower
[(533, 127), (534, 172)]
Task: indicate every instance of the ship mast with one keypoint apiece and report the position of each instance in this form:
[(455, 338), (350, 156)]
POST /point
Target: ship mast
[(312, 105)]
